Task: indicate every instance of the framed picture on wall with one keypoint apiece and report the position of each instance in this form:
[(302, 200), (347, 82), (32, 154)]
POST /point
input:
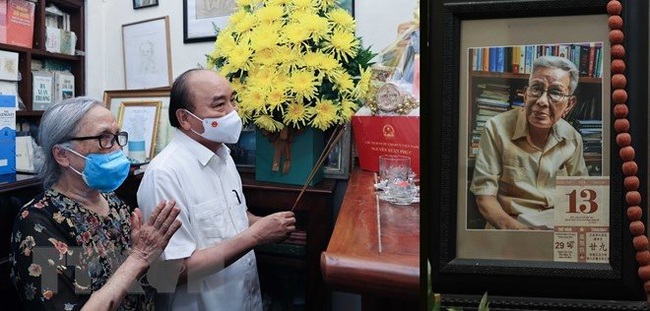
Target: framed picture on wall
[(115, 99), (139, 4), (140, 119), (487, 72), (147, 54), (203, 18)]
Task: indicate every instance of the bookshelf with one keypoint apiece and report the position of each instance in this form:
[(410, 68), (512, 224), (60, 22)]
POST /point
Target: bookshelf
[(38, 52)]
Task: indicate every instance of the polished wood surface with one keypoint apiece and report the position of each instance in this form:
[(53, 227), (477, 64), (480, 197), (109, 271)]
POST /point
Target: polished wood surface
[(375, 246)]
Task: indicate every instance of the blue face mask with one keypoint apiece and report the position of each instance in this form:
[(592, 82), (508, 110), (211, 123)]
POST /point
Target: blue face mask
[(104, 171)]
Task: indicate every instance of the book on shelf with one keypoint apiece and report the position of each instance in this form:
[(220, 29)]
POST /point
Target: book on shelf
[(63, 85), (25, 154), (42, 83), (7, 134), (8, 66), (587, 56), (20, 23), (3, 21), (60, 41)]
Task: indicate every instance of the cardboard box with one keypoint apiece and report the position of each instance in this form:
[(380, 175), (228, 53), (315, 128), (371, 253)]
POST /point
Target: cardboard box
[(377, 135), (7, 134)]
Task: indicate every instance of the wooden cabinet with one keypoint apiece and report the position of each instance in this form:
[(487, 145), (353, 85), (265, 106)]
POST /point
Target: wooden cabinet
[(38, 52), (298, 258)]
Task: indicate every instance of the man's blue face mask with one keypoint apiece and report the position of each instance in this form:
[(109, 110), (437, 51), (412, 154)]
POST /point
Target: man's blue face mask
[(104, 171)]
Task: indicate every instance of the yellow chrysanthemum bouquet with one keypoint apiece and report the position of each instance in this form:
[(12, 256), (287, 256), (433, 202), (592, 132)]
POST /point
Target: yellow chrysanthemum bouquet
[(293, 63)]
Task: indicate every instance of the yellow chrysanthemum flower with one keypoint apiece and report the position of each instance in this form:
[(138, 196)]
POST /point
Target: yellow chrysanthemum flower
[(363, 86), (234, 19), (267, 122), (276, 97), (343, 44), (265, 37), (324, 4), (316, 26), (348, 107), (240, 57), (342, 20), (263, 77), (343, 82), (269, 14), (254, 99), (297, 115), (294, 33), (303, 84), (300, 5), (247, 23), (325, 115)]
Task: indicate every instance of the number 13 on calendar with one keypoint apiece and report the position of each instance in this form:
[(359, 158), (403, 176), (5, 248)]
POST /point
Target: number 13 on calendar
[(581, 232)]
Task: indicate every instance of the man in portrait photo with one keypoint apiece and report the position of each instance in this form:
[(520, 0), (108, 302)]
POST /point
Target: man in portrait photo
[(523, 150)]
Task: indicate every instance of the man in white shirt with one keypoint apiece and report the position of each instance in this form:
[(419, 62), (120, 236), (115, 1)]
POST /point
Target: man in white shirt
[(213, 249)]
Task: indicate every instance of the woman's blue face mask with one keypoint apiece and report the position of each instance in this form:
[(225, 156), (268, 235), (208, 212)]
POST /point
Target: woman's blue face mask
[(104, 171)]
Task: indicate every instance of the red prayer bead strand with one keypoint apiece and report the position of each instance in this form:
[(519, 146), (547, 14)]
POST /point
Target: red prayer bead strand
[(624, 140)]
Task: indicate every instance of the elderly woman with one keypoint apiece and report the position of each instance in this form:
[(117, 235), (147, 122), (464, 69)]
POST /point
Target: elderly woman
[(77, 245)]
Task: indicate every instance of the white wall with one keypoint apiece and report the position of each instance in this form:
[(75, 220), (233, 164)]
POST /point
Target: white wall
[(377, 22)]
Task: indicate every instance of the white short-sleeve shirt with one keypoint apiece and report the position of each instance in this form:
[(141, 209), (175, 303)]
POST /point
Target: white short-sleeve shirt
[(207, 189)]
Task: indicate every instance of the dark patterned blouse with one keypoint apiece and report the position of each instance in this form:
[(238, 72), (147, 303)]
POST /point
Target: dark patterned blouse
[(62, 252)]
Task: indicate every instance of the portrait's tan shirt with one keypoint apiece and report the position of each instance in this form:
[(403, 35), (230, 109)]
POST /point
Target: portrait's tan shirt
[(521, 175)]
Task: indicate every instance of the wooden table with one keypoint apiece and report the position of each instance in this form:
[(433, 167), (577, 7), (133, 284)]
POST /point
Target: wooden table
[(375, 247)]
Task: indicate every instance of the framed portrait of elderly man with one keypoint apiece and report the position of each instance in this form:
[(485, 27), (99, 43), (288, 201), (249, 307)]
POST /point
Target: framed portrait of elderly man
[(512, 91), (530, 189)]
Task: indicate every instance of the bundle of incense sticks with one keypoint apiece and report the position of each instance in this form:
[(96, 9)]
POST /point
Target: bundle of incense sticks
[(334, 138)]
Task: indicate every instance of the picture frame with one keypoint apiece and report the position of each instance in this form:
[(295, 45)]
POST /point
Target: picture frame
[(203, 18), (114, 99), (147, 54), (139, 4), (461, 277), (141, 120), (337, 164)]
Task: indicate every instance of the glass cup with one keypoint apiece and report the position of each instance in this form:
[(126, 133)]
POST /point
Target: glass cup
[(402, 191), (392, 169)]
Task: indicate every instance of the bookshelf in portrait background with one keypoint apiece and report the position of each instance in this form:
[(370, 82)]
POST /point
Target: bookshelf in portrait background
[(497, 80)]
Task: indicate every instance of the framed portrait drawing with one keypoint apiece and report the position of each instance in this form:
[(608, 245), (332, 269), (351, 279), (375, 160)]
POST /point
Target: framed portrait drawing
[(483, 135), (147, 54), (115, 100), (139, 4), (203, 18), (140, 119)]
